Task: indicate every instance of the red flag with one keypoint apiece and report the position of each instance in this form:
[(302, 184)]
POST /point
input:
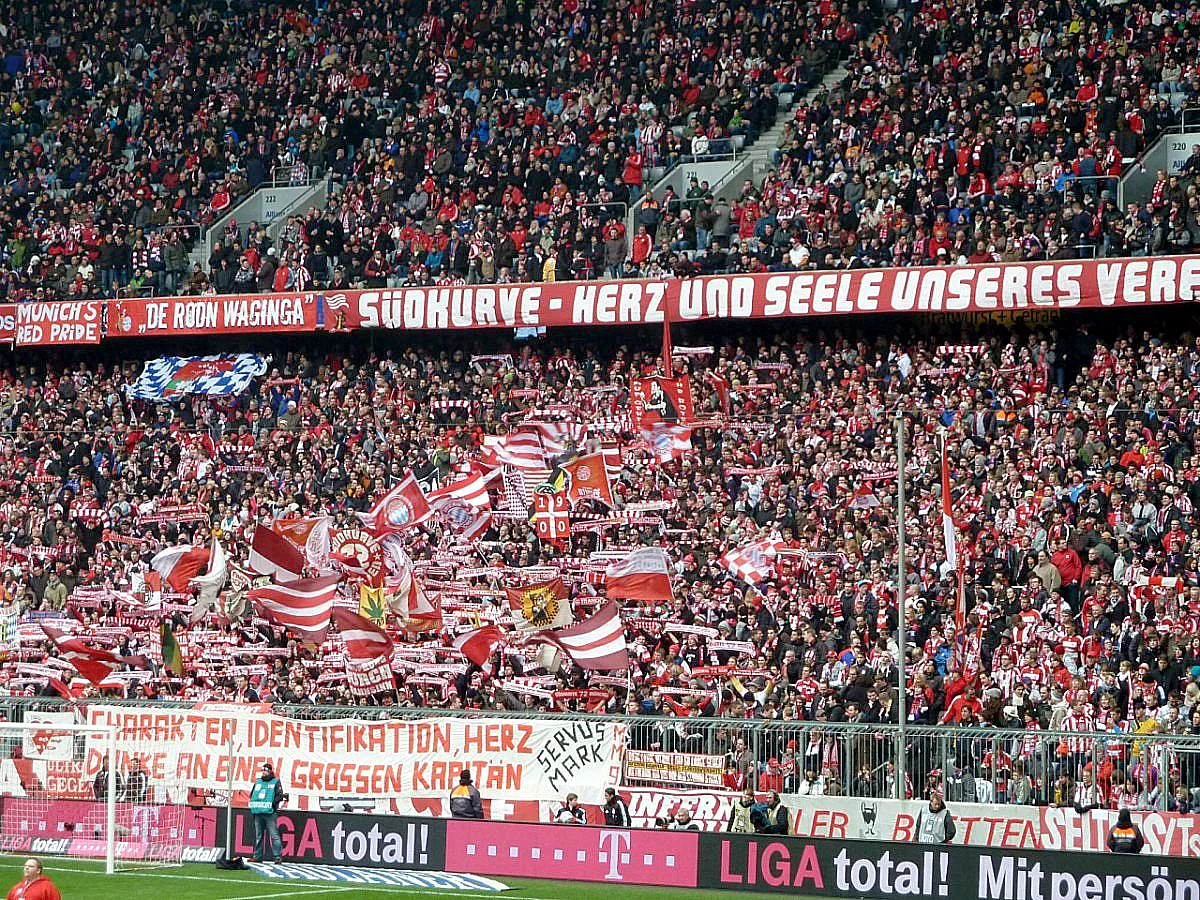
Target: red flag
[(364, 639), (477, 645), (597, 642), (551, 517), (589, 480), (273, 554), (720, 386), (404, 506), (303, 606), (179, 565), (94, 665), (657, 399)]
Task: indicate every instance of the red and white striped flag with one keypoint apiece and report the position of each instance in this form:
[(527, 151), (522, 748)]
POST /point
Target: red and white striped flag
[(272, 554), (179, 565), (472, 490), (368, 654), (667, 441), (596, 643), (519, 449), (645, 574), (363, 638), (557, 436), (611, 451), (303, 606)]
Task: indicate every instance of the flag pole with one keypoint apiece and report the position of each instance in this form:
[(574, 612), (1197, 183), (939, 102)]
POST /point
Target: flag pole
[(902, 610), (667, 349)]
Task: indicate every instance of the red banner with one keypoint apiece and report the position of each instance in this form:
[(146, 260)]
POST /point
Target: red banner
[(57, 324), (8, 323), (1013, 287), (658, 399), (224, 314), (982, 288)]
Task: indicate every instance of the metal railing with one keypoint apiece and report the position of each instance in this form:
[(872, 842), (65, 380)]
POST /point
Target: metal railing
[(611, 205), (298, 175), (1076, 186), (983, 765)]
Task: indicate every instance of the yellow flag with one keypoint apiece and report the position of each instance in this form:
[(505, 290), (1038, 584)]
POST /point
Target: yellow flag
[(371, 604)]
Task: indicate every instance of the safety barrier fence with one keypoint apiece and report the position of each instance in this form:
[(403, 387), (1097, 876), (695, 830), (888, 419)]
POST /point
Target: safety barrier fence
[(984, 765)]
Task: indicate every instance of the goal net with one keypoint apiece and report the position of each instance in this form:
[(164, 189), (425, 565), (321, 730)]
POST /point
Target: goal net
[(90, 792)]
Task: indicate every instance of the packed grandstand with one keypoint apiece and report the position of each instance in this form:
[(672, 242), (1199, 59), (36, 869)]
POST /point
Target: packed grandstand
[(473, 492)]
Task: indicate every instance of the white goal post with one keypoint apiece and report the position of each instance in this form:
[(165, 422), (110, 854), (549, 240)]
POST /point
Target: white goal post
[(76, 790)]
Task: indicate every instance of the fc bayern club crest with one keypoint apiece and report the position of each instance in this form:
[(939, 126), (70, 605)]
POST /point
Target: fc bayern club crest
[(458, 513), (398, 512)]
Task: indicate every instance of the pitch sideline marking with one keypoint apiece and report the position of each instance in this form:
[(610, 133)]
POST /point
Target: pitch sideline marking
[(319, 887), (315, 889)]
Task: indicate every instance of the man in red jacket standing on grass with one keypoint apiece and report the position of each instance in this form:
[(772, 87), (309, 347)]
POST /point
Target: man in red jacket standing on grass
[(35, 885)]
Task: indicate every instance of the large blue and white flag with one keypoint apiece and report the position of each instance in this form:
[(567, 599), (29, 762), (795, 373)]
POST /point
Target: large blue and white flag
[(172, 377)]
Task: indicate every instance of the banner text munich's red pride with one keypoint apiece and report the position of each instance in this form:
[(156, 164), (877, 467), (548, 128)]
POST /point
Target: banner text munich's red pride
[(1072, 284)]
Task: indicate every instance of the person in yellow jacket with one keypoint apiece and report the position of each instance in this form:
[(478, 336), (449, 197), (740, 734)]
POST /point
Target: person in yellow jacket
[(741, 817)]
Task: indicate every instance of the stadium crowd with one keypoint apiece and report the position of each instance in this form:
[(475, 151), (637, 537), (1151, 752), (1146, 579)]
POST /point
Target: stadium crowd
[(505, 142), (1074, 483), (527, 128), (458, 150)]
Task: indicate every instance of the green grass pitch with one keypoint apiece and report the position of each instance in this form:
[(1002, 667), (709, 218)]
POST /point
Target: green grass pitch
[(83, 880)]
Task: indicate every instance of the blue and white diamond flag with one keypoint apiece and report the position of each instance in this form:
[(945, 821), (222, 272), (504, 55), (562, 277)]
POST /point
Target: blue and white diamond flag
[(172, 377)]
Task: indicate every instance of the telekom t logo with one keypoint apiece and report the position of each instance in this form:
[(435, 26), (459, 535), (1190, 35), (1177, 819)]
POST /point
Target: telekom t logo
[(613, 843)]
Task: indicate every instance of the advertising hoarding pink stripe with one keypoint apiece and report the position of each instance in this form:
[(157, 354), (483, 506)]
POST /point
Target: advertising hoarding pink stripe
[(576, 853)]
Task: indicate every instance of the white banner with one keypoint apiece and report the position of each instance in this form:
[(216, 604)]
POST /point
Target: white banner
[(509, 759), (46, 743), (675, 768)]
